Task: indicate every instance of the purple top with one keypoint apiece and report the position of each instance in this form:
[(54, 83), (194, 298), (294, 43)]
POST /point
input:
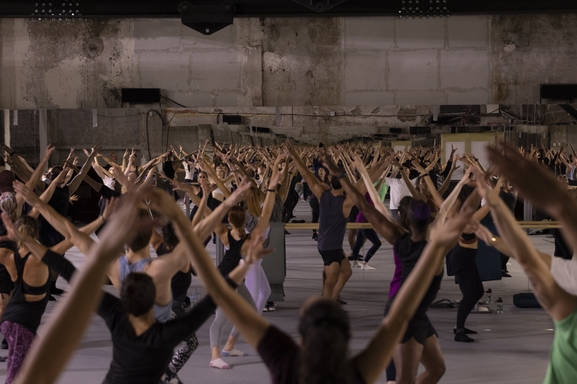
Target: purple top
[(360, 217), (396, 282)]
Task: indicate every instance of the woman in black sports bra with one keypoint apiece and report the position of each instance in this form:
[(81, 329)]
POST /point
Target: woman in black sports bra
[(462, 261), (24, 311)]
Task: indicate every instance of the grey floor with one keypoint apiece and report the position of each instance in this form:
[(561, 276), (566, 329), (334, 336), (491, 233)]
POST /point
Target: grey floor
[(512, 347)]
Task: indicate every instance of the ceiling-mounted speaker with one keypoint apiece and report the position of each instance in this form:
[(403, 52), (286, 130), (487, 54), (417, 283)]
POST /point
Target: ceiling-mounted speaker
[(206, 18), (319, 5)]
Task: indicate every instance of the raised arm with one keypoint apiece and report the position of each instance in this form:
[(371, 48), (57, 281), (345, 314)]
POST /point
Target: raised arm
[(447, 180), (558, 303), (371, 189), (213, 222), (386, 228), (542, 188), (314, 184), (416, 194), (44, 363), (75, 183), (208, 169), (264, 219), (444, 235), (60, 223), (238, 311), (17, 162)]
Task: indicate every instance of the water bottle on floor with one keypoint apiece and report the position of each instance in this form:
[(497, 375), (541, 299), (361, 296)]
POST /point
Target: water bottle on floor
[(499, 305)]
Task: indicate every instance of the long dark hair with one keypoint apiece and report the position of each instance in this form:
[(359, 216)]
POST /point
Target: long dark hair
[(325, 331), (169, 235)]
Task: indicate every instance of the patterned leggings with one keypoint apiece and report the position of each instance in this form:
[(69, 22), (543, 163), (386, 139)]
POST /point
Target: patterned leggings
[(19, 341), (181, 356)]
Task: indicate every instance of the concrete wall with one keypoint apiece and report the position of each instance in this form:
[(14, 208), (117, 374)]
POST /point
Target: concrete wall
[(287, 61)]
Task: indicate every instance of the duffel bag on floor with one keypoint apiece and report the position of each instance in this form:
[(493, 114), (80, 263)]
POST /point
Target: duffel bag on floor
[(525, 300)]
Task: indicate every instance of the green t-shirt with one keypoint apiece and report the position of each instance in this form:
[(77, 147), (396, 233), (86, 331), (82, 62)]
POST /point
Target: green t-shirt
[(382, 190), (563, 361)]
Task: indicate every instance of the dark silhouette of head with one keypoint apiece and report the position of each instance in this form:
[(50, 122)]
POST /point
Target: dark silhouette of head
[(137, 293), (142, 238), (325, 331)]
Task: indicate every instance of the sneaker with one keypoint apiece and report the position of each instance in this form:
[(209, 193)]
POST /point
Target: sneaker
[(234, 352), (367, 267), (271, 305), (219, 364), (356, 264), (341, 301)]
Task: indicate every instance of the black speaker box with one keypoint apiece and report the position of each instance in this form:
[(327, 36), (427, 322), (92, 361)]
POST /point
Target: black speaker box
[(141, 95), (559, 91)]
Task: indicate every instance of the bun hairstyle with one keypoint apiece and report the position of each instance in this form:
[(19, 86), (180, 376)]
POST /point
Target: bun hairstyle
[(27, 225), (419, 215), (325, 331)]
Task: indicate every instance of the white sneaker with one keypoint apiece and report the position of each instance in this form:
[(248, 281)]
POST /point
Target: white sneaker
[(367, 267), (356, 264)]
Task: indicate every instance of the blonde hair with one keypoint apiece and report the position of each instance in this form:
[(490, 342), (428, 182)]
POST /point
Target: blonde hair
[(26, 225), (254, 201)]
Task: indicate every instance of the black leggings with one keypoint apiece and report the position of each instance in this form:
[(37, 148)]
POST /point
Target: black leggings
[(472, 289), (370, 235), (561, 248)]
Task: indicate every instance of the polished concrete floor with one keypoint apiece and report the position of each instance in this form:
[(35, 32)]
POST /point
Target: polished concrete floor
[(512, 347)]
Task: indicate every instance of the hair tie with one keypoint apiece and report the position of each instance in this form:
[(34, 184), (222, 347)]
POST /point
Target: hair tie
[(421, 210)]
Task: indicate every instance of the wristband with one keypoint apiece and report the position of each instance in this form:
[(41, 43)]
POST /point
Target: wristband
[(271, 190)]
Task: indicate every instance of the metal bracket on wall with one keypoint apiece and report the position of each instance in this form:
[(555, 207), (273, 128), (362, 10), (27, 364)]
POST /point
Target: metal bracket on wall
[(206, 18), (569, 109), (319, 5)]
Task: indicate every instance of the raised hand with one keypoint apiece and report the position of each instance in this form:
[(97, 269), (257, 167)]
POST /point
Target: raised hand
[(11, 233), (240, 194), (255, 250), (447, 232), (49, 151), (61, 176), (330, 164), (483, 233), (541, 188), (110, 208), (28, 195), (163, 203)]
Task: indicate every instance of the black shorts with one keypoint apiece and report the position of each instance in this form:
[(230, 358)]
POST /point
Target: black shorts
[(420, 328), (333, 256), (353, 215), (6, 285)]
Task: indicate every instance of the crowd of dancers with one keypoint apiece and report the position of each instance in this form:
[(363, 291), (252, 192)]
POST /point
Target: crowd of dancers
[(236, 192)]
